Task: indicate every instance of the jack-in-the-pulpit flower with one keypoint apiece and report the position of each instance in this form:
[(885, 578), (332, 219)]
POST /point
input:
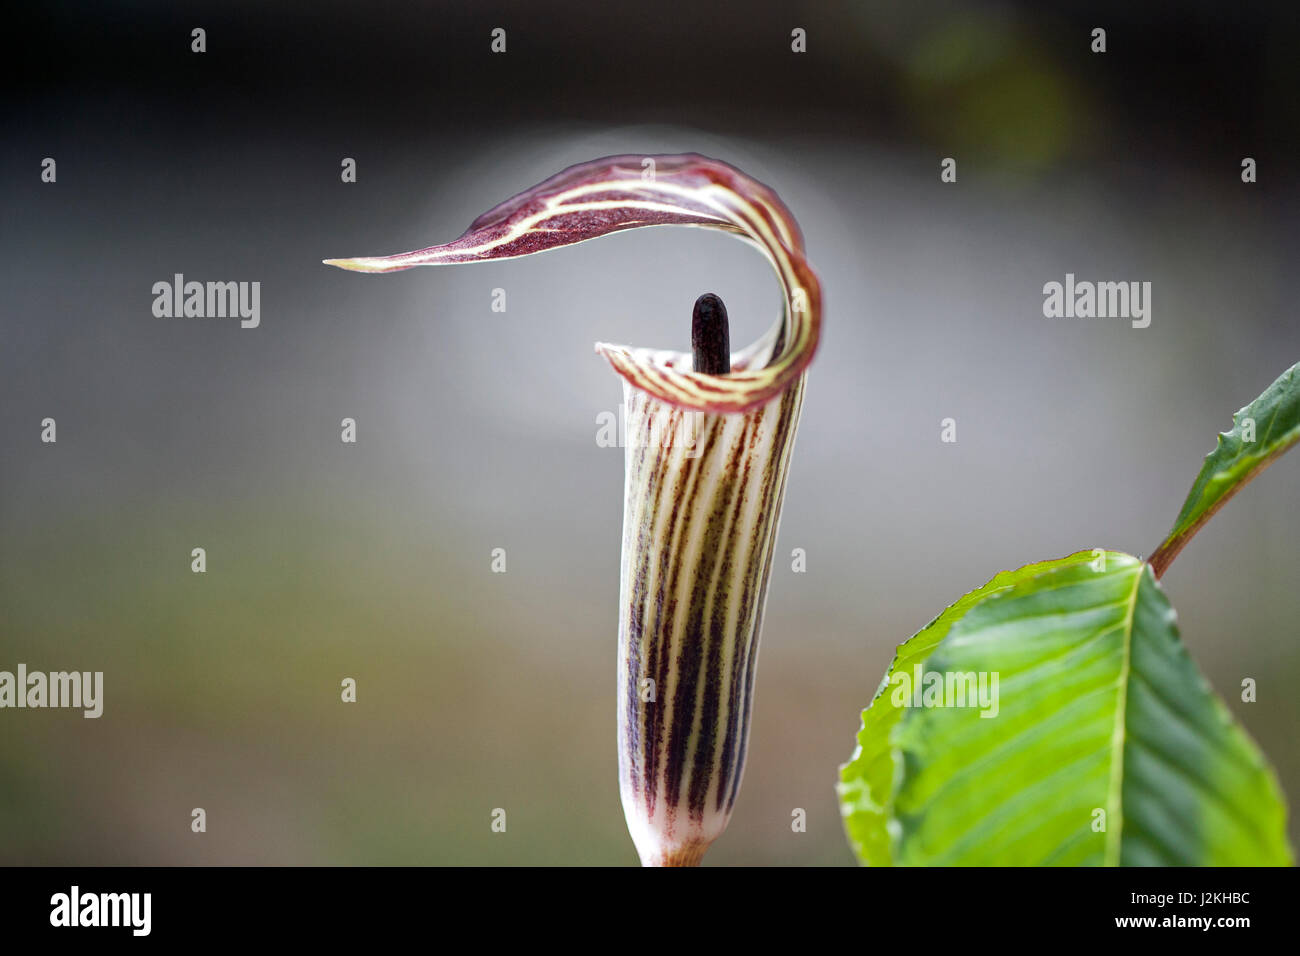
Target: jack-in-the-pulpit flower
[(708, 444)]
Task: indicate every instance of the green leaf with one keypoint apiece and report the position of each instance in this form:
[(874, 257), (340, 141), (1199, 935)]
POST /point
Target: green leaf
[(1261, 432), (1099, 718), (867, 780)]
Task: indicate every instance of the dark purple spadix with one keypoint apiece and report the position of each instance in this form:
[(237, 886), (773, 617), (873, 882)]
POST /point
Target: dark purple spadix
[(710, 336)]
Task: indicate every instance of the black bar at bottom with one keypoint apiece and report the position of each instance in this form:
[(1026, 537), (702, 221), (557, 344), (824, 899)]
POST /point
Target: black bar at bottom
[(302, 905)]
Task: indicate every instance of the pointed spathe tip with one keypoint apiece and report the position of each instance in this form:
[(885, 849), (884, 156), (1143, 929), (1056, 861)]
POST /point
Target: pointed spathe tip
[(352, 265)]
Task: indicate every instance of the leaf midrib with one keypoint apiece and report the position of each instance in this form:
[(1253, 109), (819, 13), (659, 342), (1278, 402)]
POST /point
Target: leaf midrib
[(1119, 737)]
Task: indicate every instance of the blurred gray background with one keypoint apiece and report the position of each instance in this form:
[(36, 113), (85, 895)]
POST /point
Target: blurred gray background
[(477, 430)]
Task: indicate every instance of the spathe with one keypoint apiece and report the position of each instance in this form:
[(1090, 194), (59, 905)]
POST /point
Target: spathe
[(707, 456)]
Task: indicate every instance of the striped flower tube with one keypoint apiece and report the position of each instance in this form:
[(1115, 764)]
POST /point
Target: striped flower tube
[(708, 443)]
